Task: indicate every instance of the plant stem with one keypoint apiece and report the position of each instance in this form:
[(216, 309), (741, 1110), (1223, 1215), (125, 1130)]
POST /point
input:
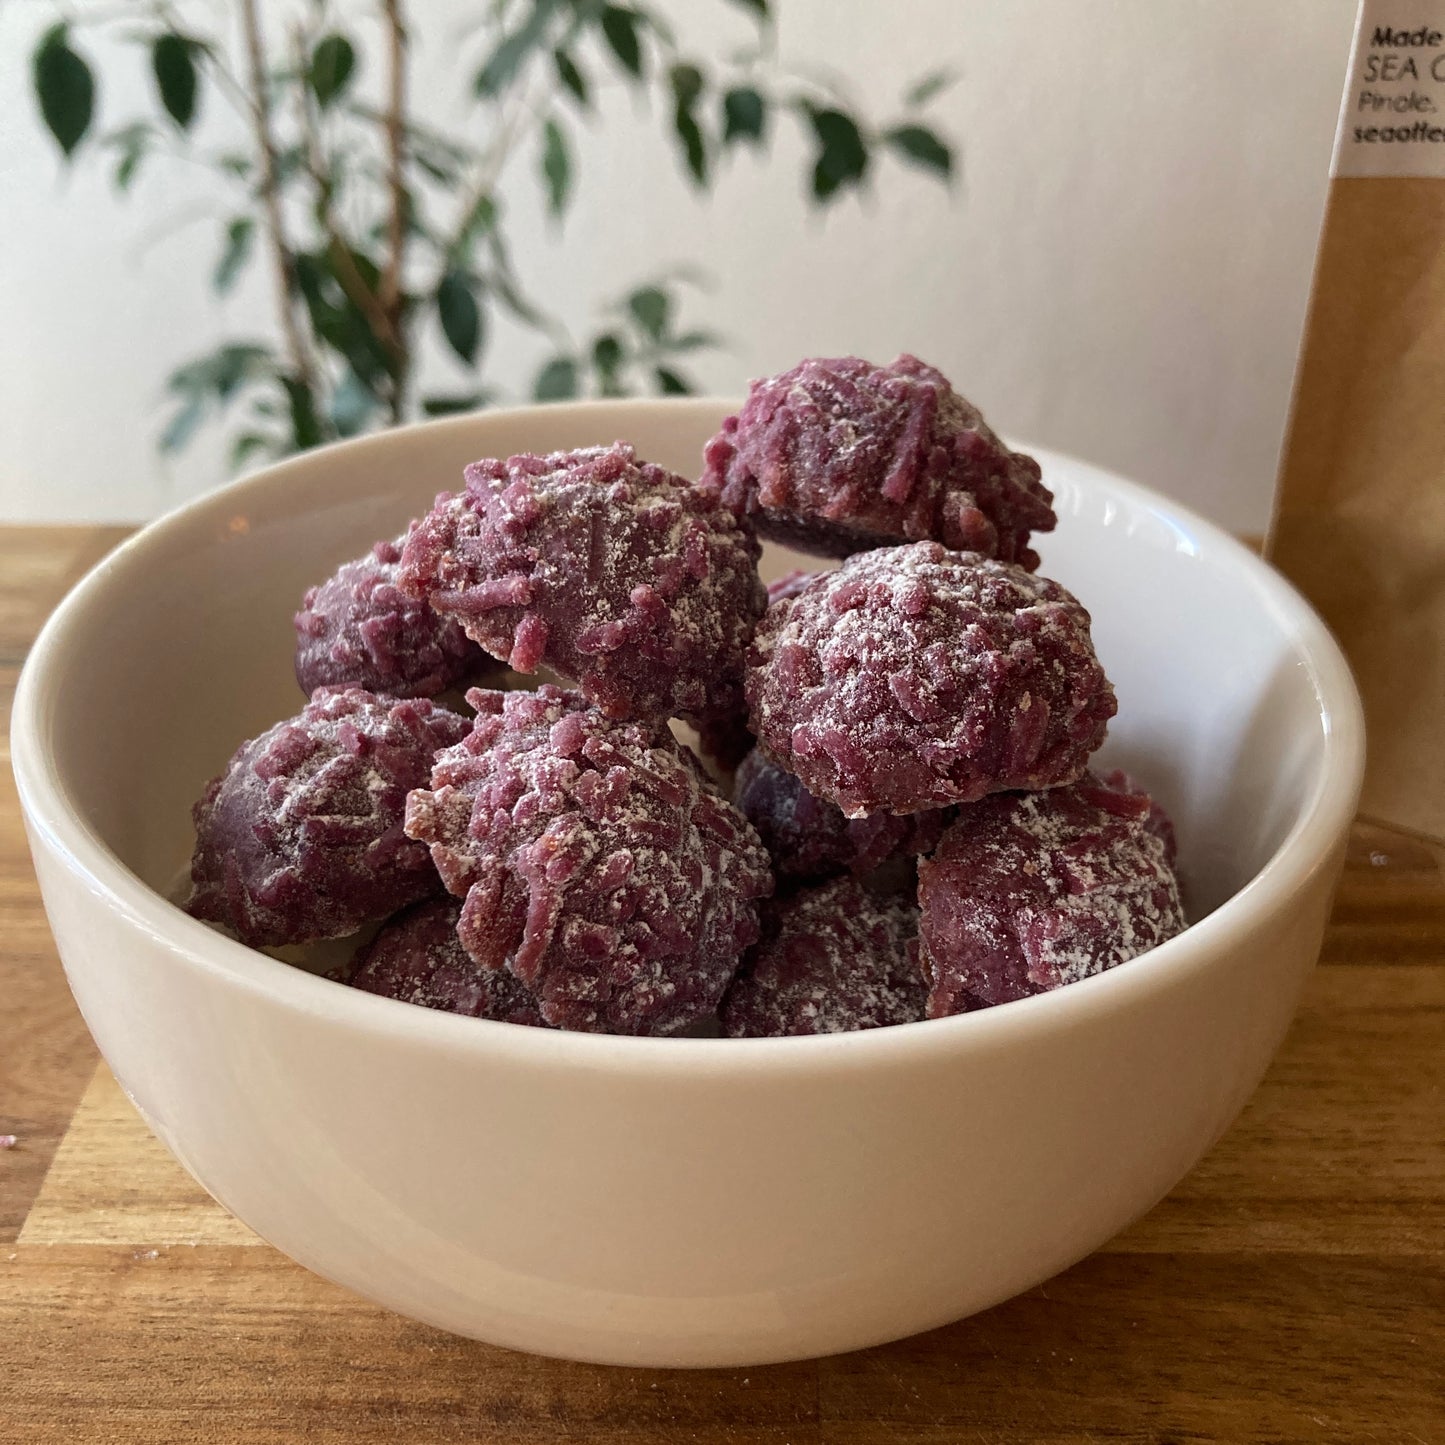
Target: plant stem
[(490, 165), (343, 265), (391, 276), (282, 256)]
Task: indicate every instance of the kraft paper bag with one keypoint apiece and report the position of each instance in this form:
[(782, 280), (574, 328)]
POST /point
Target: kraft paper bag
[(1359, 522)]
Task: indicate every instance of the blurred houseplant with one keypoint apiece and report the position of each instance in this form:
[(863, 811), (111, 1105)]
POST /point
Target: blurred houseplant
[(373, 222)]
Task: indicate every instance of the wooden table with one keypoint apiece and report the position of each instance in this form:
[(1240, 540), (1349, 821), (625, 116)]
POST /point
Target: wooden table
[(1292, 1288)]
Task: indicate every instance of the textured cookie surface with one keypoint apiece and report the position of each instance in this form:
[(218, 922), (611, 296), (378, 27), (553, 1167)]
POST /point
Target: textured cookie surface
[(1031, 891), (832, 959), (915, 677), (596, 862), (838, 456), (640, 587), (301, 837), (418, 959), (358, 629)]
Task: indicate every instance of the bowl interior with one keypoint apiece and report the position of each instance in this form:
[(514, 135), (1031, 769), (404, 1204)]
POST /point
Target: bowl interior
[(180, 646)]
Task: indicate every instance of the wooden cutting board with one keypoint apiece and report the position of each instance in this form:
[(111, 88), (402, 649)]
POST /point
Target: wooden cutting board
[(1291, 1289)]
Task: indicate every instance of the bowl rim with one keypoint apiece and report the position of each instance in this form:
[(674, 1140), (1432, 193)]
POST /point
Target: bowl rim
[(1309, 846)]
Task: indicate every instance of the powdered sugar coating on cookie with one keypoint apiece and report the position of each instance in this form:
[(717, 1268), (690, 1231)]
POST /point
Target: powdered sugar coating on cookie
[(1031, 891), (418, 959), (832, 959), (838, 456), (358, 629), (623, 577), (596, 862), (301, 837), (915, 677), (1156, 820)]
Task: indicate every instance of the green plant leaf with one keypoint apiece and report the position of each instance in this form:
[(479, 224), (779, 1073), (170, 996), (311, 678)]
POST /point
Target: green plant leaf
[(182, 425), (450, 405), (745, 115), (687, 84), (207, 379), (305, 424), (694, 147), (607, 358), (127, 166), (620, 30), (556, 166), (842, 152), (336, 320), (333, 63), (502, 65), (670, 383), (607, 352), (460, 315), (221, 372), (131, 144), (353, 404), (571, 77), (481, 219), (370, 271), (932, 84), (557, 381), (651, 308), (439, 168), (694, 341), (65, 88), (173, 64), (235, 364), (234, 253), (290, 163), (245, 446), (920, 146)]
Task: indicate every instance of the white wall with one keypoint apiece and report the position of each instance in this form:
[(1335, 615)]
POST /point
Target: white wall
[(1121, 273)]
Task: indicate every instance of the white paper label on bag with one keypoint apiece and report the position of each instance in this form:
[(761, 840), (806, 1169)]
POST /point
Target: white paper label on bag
[(1392, 120)]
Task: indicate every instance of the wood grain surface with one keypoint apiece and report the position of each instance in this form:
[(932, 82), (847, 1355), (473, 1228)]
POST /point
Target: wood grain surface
[(1291, 1289)]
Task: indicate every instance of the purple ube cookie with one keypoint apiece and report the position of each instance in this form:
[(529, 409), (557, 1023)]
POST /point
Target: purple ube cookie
[(832, 959), (1156, 820), (358, 629), (597, 863), (418, 959), (1030, 891), (301, 837), (636, 584), (915, 677), (808, 838), (839, 456)]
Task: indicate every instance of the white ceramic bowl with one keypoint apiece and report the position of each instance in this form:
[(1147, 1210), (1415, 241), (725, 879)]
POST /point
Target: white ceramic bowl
[(675, 1201)]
